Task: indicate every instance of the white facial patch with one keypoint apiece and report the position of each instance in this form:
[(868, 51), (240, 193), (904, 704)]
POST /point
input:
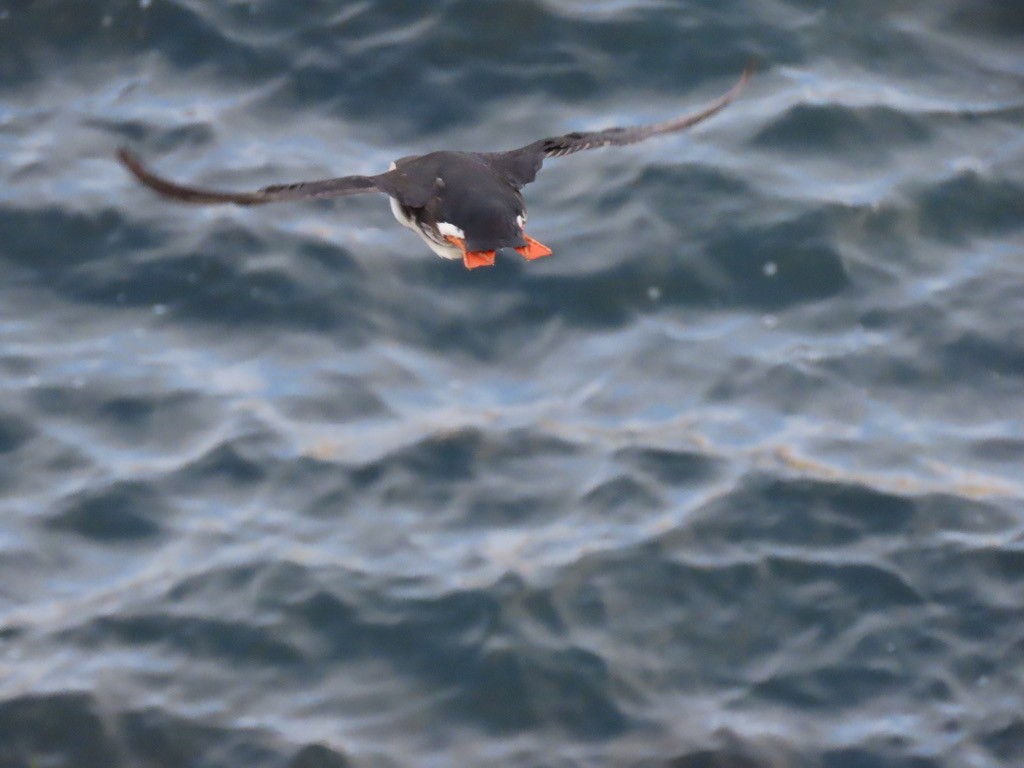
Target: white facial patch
[(521, 220), (450, 230)]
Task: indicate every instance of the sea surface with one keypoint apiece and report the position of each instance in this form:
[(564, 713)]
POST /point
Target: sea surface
[(734, 479)]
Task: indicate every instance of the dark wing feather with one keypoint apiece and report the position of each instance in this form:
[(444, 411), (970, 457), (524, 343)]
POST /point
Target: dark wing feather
[(521, 165), (303, 190)]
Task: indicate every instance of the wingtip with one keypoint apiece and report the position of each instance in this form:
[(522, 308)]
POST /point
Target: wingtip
[(748, 72), (130, 161)]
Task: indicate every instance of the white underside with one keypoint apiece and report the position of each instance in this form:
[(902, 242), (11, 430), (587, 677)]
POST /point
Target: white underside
[(444, 250)]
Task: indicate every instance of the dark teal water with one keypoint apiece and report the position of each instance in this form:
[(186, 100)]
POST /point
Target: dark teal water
[(732, 479)]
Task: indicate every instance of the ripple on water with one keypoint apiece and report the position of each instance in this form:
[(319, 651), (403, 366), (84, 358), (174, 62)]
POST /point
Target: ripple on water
[(125, 512)]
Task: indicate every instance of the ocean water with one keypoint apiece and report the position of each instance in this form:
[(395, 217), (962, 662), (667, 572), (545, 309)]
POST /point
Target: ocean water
[(735, 478)]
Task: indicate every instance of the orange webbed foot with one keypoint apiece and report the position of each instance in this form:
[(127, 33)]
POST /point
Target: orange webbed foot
[(533, 250), (474, 259)]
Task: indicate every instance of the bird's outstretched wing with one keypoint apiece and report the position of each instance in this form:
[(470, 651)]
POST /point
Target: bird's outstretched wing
[(302, 190), (520, 166)]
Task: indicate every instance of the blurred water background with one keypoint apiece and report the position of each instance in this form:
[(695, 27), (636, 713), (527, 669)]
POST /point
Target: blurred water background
[(734, 478)]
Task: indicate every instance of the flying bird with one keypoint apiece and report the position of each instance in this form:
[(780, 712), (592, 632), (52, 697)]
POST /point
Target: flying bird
[(465, 205)]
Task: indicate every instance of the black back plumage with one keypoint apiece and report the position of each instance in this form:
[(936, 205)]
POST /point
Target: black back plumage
[(468, 192)]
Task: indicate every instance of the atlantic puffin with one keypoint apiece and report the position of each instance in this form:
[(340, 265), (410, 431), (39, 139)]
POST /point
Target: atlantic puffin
[(465, 205)]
